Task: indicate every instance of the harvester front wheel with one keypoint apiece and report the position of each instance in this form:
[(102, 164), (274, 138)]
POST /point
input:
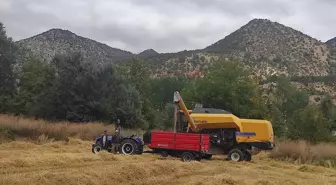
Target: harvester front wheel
[(187, 157), (236, 155)]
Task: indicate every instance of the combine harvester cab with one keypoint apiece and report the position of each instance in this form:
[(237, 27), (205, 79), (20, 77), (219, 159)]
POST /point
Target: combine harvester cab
[(228, 134)]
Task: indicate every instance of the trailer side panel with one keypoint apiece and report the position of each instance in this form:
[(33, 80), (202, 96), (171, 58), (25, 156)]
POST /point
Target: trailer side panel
[(164, 140), (180, 141)]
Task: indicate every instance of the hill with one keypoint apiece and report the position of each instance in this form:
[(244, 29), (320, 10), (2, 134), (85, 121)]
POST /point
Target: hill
[(148, 53), (58, 41), (332, 42), (267, 47)]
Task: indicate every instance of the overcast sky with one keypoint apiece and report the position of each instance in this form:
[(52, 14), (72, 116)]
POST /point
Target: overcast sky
[(164, 25)]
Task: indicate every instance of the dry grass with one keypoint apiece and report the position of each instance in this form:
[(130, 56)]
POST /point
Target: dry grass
[(303, 152), (14, 128), (72, 162)]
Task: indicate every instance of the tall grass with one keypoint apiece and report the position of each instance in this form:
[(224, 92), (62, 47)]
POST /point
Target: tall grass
[(12, 128), (304, 152)]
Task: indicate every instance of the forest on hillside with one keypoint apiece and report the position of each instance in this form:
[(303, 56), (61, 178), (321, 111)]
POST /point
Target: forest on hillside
[(69, 88)]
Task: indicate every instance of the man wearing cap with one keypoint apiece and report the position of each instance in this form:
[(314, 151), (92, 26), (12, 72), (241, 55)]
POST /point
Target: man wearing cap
[(104, 139), (115, 143), (118, 128)]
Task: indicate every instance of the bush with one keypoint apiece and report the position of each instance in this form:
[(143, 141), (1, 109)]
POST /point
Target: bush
[(304, 152), (12, 128)]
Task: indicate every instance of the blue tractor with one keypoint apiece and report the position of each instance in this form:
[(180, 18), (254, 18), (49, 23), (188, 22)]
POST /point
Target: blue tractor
[(132, 145)]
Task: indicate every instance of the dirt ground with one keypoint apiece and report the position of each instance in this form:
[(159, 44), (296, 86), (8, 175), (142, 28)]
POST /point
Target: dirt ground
[(73, 163)]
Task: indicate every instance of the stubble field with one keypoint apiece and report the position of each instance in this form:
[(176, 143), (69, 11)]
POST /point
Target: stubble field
[(72, 162)]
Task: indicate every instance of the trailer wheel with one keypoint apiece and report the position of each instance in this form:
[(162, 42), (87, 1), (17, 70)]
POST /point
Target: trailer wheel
[(128, 147), (187, 157), (164, 153), (236, 155)]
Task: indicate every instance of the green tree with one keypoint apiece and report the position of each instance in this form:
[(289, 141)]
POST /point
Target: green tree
[(137, 73), (82, 93), (7, 75), (309, 124), (227, 86), (166, 117), (163, 90), (35, 86), (328, 110), (282, 102), (121, 100)]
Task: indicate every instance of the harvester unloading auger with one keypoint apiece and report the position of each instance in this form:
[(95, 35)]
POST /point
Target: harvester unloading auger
[(210, 132)]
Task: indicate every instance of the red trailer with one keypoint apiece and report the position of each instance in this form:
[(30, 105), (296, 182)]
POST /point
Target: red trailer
[(188, 146)]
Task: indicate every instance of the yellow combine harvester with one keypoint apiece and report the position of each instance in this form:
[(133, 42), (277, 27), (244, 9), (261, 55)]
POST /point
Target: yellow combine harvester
[(228, 134)]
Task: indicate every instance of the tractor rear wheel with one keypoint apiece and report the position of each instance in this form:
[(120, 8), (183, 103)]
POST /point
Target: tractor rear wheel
[(187, 156), (236, 155), (128, 147)]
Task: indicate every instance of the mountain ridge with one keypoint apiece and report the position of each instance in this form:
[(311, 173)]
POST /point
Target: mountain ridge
[(148, 53), (332, 42), (65, 31), (58, 41), (267, 47)]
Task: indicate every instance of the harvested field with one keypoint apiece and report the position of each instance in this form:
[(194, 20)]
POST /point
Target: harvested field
[(72, 162)]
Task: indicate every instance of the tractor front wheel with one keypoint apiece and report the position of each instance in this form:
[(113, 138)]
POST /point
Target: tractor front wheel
[(96, 148), (236, 155)]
